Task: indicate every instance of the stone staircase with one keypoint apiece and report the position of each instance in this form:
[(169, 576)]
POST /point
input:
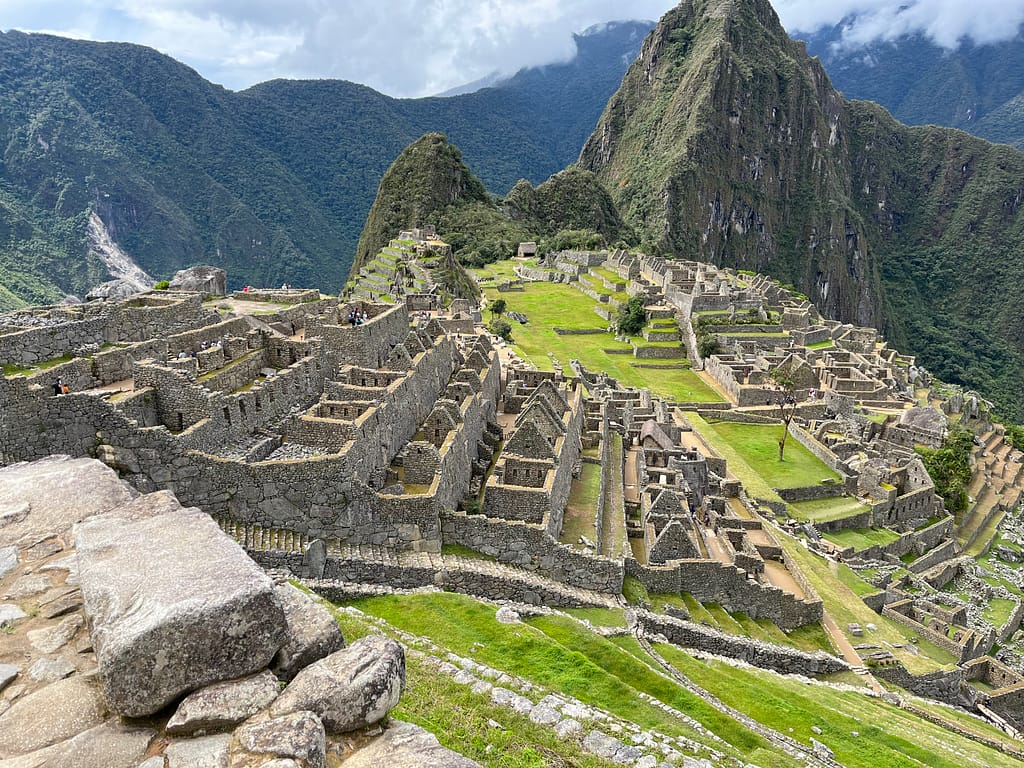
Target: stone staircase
[(996, 487), (406, 569)]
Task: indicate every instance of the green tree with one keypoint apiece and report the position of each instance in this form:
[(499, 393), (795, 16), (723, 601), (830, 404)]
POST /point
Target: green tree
[(950, 468), (632, 316), (497, 308), (785, 403), (501, 327)]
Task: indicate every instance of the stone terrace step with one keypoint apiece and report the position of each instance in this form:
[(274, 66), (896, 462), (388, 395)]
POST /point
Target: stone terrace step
[(460, 574)]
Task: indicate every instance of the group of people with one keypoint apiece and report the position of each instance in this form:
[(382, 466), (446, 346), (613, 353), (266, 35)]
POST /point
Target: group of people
[(205, 345), (355, 317)]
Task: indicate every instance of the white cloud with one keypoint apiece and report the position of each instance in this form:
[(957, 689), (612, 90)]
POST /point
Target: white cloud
[(947, 22), (401, 47)]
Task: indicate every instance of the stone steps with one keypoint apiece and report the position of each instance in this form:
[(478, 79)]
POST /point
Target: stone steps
[(380, 559)]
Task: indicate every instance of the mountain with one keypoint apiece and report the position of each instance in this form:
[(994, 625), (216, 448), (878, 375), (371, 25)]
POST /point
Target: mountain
[(728, 143), (430, 184), (118, 143), (977, 88)]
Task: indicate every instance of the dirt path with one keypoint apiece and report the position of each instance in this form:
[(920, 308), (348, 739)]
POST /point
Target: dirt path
[(849, 652), (632, 492)]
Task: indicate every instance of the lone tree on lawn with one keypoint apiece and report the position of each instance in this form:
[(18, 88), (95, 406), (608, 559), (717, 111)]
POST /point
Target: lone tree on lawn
[(497, 308), (785, 402)]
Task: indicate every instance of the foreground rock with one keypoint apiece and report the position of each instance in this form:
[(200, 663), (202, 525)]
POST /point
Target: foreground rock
[(299, 736), (58, 492), (209, 281), (404, 745), (52, 714), (313, 633), (110, 745), (223, 705), (173, 604), (114, 290), (351, 688)]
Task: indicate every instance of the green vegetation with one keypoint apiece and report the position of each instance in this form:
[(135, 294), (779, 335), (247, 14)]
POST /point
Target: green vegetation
[(886, 736), (757, 445), (827, 509), (579, 512), (561, 654), (632, 317), (557, 305), (950, 468), (862, 538)]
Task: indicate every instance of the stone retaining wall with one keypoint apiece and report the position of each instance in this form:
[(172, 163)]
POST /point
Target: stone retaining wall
[(786, 661)]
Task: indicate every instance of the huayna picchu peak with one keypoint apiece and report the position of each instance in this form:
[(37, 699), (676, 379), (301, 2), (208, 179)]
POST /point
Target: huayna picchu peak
[(727, 142)]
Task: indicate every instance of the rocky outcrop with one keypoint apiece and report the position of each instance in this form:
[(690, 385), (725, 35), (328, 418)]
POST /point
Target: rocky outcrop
[(312, 633), (175, 609), (210, 612), (351, 688), (222, 706), (112, 290), (209, 281), (404, 745)]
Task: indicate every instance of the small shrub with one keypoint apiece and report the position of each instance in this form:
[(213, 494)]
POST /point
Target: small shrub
[(501, 327), (163, 285)]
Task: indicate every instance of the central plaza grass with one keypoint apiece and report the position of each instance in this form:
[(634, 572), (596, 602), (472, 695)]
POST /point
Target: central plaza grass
[(757, 448), (557, 305)]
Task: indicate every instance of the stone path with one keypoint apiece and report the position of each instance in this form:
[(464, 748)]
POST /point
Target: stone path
[(850, 653)]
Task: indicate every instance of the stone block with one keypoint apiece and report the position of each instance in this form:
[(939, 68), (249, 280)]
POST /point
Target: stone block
[(173, 604), (351, 688), (222, 706), (404, 745), (312, 633)]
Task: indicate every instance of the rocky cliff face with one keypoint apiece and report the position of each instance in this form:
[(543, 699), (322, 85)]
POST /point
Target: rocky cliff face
[(728, 143)]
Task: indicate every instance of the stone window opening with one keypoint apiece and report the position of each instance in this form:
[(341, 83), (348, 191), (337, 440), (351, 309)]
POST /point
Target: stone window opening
[(241, 407), (227, 415), (181, 422)]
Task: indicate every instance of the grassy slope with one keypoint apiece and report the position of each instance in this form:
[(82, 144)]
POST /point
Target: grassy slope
[(564, 656)]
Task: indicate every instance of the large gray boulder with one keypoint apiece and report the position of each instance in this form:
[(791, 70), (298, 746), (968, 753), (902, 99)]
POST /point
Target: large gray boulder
[(351, 688), (209, 281), (312, 633), (404, 745), (53, 490), (173, 604), (114, 290)]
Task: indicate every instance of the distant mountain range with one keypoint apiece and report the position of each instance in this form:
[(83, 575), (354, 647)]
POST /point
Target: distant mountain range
[(977, 88), (273, 183)]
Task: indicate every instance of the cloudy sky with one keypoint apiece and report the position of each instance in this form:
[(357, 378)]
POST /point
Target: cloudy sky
[(419, 47)]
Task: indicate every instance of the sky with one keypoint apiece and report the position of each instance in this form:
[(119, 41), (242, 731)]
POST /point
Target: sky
[(422, 47)]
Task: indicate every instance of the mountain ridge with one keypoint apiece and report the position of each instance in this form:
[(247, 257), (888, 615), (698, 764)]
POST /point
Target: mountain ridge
[(832, 196)]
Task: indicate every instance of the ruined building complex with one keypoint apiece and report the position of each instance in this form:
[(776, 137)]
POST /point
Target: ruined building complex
[(383, 440)]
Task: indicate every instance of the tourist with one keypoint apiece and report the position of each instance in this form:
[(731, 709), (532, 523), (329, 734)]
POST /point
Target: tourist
[(58, 387)]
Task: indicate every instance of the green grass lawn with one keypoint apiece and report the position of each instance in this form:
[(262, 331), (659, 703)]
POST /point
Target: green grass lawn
[(998, 611), (560, 654), (887, 736), (844, 605), (758, 446), (825, 510), (582, 506), (862, 538), (554, 305)]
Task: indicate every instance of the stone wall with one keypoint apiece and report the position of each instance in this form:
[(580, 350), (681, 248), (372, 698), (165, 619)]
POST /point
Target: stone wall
[(781, 659), (530, 547), (369, 344), (942, 685), (37, 345), (712, 582)]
